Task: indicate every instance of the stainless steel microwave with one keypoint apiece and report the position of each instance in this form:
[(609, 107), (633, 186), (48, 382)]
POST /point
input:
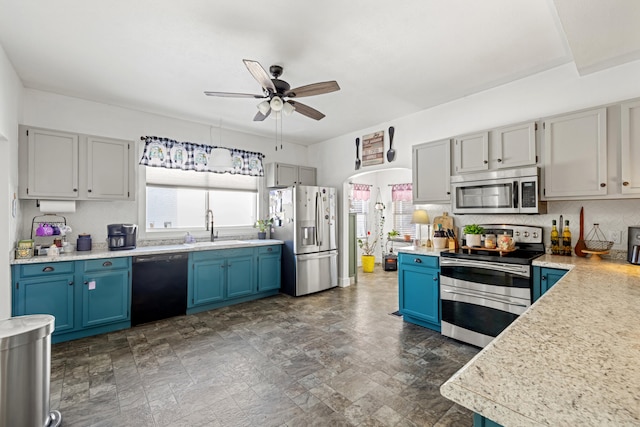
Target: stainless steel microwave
[(511, 191)]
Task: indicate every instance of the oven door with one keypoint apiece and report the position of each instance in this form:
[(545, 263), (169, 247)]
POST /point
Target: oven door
[(480, 299)]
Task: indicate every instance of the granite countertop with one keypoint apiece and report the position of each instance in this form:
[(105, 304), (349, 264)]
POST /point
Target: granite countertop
[(421, 250), (149, 250), (573, 358)]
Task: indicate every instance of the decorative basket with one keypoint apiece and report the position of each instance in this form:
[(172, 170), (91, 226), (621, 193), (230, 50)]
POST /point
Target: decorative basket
[(596, 241)]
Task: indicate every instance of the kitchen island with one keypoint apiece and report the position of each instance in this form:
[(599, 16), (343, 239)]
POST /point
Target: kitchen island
[(571, 359)]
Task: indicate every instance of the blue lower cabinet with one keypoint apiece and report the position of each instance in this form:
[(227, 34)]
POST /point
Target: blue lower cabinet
[(269, 273), (206, 282), (419, 290), (52, 295), (241, 275), (480, 421), (544, 278), (105, 297), (225, 277), (85, 297)]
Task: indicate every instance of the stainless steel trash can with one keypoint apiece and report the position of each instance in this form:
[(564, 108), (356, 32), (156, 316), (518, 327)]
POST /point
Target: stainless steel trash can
[(25, 372)]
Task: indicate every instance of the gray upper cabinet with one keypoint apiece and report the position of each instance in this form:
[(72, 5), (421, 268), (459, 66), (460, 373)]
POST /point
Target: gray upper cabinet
[(471, 153), (69, 166), (48, 164), (630, 148), (431, 171), (285, 175), (108, 169), (513, 146), (575, 155)]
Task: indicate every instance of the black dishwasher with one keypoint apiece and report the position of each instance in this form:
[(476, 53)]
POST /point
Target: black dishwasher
[(159, 287)]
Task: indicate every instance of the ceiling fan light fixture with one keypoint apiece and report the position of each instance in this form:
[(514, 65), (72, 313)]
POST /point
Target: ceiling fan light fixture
[(288, 109), (276, 103), (264, 107)]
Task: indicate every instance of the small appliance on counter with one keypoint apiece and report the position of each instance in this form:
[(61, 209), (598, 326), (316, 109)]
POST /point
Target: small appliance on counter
[(633, 255), (121, 236)]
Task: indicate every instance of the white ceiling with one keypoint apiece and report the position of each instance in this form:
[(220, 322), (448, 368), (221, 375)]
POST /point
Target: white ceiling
[(391, 59)]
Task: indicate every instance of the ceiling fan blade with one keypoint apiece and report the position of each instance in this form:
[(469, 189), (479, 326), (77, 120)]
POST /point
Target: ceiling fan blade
[(305, 110), (234, 95), (260, 74), (313, 89), (260, 117)]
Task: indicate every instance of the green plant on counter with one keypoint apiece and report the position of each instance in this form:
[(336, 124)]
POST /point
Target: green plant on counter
[(473, 229), (263, 224), (392, 234)]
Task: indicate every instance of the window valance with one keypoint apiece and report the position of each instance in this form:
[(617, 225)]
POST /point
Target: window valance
[(170, 154), (360, 192), (402, 192)]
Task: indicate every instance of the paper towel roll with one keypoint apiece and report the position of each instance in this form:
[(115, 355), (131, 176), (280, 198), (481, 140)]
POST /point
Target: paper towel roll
[(57, 206)]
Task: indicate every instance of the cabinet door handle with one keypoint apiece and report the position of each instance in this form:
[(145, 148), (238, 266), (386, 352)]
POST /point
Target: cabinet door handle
[(544, 278), (499, 160), (625, 183), (48, 269), (602, 184), (417, 260), (75, 190), (70, 282), (269, 249), (485, 161), (107, 264), (89, 190), (86, 283), (435, 278)]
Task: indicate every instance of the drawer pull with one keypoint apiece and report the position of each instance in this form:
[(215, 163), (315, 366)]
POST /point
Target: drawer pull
[(269, 249), (48, 269), (417, 260), (107, 264)]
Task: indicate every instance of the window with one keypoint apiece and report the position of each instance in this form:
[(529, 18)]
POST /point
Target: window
[(179, 200), (361, 209), (402, 212)]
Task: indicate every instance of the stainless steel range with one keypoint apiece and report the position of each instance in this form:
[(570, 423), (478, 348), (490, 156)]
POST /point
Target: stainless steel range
[(483, 291)]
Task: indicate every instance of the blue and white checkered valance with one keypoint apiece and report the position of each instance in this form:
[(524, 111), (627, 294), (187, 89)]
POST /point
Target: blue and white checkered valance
[(170, 154)]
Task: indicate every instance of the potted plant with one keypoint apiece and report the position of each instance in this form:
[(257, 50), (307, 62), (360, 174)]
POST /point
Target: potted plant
[(263, 225), (390, 236), (473, 234), (368, 248)]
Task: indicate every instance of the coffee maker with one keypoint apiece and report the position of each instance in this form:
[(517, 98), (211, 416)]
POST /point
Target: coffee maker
[(121, 236), (633, 254)]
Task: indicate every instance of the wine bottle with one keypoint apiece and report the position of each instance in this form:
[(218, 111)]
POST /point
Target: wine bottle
[(566, 239), (555, 239)]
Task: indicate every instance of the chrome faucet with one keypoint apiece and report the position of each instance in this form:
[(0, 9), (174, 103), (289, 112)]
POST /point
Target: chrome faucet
[(209, 223)]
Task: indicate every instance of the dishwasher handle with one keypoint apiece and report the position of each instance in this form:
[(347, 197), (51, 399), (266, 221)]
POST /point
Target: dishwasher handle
[(159, 258)]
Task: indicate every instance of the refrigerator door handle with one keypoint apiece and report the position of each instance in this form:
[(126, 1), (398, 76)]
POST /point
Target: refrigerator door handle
[(307, 257), (319, 222)]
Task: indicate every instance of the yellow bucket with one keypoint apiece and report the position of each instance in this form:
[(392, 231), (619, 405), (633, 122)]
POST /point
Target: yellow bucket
[(368, 261)]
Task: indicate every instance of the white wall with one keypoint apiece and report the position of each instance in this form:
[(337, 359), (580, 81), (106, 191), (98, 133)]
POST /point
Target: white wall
[(556, 91), (11, 92), (48, 110)]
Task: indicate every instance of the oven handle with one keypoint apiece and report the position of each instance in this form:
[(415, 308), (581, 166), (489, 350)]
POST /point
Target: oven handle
[(521, 270), (472, 295)]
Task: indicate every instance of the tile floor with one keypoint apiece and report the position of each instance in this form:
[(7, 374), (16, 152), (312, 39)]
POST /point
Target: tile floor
[(336, 358)]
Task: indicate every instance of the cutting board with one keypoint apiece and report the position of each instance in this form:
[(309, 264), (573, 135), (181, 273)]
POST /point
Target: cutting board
[(445, 220)]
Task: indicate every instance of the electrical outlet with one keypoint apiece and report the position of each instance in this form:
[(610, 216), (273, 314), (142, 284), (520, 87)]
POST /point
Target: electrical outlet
[(615, 237)]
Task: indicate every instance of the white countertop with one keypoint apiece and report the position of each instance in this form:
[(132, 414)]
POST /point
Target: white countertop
[(573, 358), (149, 250), (421, 250)]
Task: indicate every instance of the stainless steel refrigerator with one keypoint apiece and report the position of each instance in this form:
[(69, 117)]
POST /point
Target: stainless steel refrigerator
[(304, 217)]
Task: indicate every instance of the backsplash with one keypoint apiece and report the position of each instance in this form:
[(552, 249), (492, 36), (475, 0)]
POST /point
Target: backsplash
[(612, 215)]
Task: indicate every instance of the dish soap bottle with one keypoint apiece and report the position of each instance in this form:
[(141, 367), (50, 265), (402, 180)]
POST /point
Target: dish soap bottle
[(566, 239), (555, 239)]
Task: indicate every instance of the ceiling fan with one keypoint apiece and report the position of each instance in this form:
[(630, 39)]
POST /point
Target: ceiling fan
[(274, 92)]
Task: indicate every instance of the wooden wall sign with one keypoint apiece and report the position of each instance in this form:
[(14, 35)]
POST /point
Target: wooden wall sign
[(373, 149)]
